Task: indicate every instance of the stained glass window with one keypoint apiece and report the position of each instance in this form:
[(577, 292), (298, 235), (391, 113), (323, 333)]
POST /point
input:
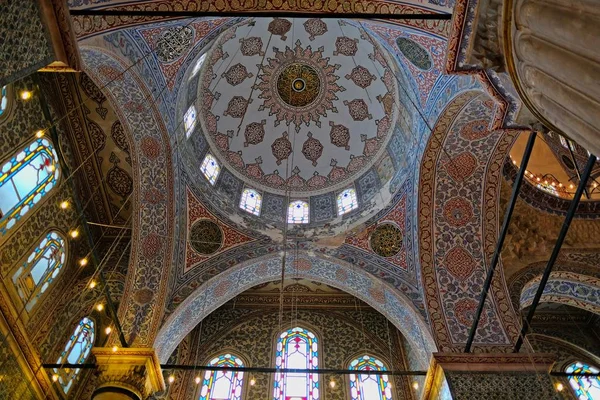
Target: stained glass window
[(298, 212), (369, 387), (223, 385), (198, 65), (189, 120), (346, 201), (3, 100), (76, 351), (296, 348), (251, 201), (25, 179), (585, 387), (210, 168), (40, 269)]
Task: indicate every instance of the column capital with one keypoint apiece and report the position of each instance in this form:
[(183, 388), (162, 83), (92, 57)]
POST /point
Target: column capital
[(136, 370)]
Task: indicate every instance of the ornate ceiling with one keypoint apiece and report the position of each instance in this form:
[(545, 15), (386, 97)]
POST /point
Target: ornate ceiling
[(287, 107)]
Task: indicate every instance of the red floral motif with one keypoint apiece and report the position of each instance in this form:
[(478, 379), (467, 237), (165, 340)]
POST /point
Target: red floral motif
[(315, 27), (255, 171), (236, 74), (361, 76), (279, 27), (150, 147), (378, 294), (464, 311), (255, 132), (312, 149), (262, 269), (133, 107), (153, 196), (251, 46), (110, 73), (236, 108), (459, 263), (356, 163), (346, 46), (358, 109), (316, 181), (339, 135), (475, 130), (458, 211), (302, 264), (461, 167), (222, 141), (281, 148), (383, 126), (222, 288), (341, 275), (152, 245)]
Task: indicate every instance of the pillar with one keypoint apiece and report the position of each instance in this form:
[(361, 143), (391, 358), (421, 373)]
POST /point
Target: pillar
[(127, 373), (553, 59), (467, 376)]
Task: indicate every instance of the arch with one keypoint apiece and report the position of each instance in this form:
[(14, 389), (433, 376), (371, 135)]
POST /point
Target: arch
[(35, 275), (584, 387), (296, 347), (150, 256), (458, 195), (223, 383), (218, 290), (565, 287), (76, 351), (25, 179), (369, 387)]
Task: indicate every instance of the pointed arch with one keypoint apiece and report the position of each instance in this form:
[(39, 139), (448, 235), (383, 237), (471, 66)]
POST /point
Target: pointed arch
[(366, 386), (584, 387), (223, 384), (25, 179), (76, 351)]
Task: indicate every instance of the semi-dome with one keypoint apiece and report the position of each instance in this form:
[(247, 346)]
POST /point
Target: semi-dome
[(303, 109)]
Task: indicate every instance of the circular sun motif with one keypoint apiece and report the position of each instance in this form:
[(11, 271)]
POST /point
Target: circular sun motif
[(386, 240), (298, 85)]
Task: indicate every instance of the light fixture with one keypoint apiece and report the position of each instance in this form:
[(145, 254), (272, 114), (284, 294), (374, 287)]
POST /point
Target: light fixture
[(197, 380), (332, 383), (559, 387), (571, 186), (54, 378), (25, 95), (99, 306), (92, 284), (252, 382), (74, 233), (115, 349), (83, 262), (108, 330), (171, 379), (39, 134), (416, 385), (51, 168), (64, 204)]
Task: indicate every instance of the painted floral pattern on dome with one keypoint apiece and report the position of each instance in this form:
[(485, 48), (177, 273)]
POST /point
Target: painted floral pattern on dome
[(304, 124)]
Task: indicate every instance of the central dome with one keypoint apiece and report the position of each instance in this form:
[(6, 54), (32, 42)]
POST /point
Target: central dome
[(303, 106)]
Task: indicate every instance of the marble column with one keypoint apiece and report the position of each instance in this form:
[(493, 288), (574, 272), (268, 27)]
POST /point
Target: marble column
[(551, 49), (127, 373)]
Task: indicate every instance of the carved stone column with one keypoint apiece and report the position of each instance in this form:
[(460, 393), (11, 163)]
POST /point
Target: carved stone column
[(127, 373), (551, 51), (493, 376)]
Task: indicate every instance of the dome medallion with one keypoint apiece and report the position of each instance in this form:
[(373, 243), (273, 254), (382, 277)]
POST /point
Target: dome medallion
[(304, 105)]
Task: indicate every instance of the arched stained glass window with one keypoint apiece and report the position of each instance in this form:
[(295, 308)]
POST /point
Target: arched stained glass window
[(298, 212), (40, 269), (210, 168), (251, 201), (76, 351), (346, 201), (296, 348), (189, 120), (25, 179), (223, 385), (369, 387), (198, 65), (3, 101), (585, 387)]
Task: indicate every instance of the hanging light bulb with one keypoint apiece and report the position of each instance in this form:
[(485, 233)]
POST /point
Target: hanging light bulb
[(171, 379), (39, 134), (99, 306), (25, 95), (332, 383), (415, 385), (64, 204), (74, 233), (115, 349), (108, 330), (252, 382), (197, 380), (92, 284), (54, 378), (559, 387), (83, 262)]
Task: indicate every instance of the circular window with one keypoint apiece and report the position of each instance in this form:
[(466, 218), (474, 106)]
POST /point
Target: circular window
[(298, 85), (206, 237), (386, 240)]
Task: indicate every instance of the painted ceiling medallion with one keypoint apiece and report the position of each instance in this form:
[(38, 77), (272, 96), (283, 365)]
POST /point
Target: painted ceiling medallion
[(298, 86), (206, 237), (290, 111), (386, 240)]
